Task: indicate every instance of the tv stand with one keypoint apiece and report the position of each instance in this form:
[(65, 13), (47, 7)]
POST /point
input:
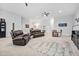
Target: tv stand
[(75, 37)]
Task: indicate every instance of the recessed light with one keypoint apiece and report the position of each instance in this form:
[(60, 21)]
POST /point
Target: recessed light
[(60, 11)]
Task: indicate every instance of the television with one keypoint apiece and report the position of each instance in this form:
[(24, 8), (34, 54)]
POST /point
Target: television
[(62, 24)]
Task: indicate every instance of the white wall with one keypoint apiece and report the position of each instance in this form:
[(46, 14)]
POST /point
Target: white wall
[(45, 21), (25, 21), (10, 18), (66, 31), (75, 22)]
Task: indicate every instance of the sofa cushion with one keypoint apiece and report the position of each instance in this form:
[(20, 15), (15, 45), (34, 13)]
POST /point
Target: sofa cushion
[(18, 37)]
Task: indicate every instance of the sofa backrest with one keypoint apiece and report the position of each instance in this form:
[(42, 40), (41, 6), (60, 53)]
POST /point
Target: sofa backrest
[(35, 31), (17, 32)]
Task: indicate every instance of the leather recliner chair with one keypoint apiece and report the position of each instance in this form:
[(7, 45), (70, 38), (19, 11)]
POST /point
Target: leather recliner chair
[(19, 38)]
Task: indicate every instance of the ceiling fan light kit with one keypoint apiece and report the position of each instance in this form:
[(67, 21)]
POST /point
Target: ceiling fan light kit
[(46, 13)]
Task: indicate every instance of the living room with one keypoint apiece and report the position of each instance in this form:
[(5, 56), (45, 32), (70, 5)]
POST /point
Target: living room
[(47, 29)]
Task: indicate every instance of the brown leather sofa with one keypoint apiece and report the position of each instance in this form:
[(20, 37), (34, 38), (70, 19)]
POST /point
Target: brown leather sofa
[(19, 38), (36, 33)]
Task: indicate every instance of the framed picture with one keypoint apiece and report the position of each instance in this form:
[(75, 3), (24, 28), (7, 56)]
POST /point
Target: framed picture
[(26, 25), (62, 25)]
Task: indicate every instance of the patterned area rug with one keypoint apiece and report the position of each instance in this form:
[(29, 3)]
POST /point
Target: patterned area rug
[(52, 48)]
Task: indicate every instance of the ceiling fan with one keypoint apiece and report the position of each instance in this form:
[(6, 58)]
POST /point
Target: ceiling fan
[(46, 13)]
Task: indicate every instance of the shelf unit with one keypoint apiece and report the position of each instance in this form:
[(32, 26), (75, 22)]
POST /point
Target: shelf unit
[(2, 28)]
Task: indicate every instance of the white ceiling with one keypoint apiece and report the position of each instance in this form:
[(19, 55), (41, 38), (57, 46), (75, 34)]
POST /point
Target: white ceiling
[(36, 9)]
